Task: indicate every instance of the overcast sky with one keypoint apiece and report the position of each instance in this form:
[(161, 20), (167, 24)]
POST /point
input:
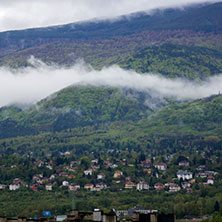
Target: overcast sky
[(21, 14)]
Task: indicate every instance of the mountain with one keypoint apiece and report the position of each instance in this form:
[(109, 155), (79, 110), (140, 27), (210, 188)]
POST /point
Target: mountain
[(103, 43), (173, 42), (78, 106)]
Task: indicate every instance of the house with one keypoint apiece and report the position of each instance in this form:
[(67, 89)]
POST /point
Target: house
[(160, 166), (129, 185), (201, 168), (52, 177), (101, 176), (2, 186), (184, 163), (95, 167), (72, 169), (185, 185), (63, 174), (210, 180), (101, 186), (211, 173), (108, 164), (95, 162), (147, 171), (88, 186), (146, 163), (48, 187), (184, 175), (65, 183), (43, 180), (169, 157), (37, 177), (49, 166), (201, 174), (14, 186), (74, 187), (159, 186), (17, 181), (114, 166), (71, 176), (174, 187), (117, 174), (142, 185), (34, 187), (88, 172)]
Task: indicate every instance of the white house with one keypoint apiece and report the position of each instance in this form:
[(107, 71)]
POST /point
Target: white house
[(142, 186), (160, 166), (48, 187), (101, 176), (174, 187), (65, 183), (2, 186), (14, 186), (186, 185), (101, 186), (210, 180), (88, 172), (184, 163), (184, 175)]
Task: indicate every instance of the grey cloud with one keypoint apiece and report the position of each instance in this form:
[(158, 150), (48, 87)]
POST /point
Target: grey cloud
[(20, 14), (29, 85)]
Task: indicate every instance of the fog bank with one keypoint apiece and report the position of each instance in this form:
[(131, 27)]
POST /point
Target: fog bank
[(31, 84)]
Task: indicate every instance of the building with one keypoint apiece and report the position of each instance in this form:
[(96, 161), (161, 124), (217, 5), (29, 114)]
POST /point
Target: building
[(129, 185), (117, 174), (14, 186), (101, 176), (74, 187), (146, 163), (210, 180), (142, 186), (65, 183), (159, 186), (174, 187), (186, 185), (34, 187), (88, 172), (184, 175), (184, 163), (101, 186), (2, 186), (48, 187), (160, 166), (88, 186)]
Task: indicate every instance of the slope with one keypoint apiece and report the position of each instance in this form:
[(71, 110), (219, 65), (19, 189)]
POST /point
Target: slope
[(177, 61), (200, 117), (78, 107), (196, 18)]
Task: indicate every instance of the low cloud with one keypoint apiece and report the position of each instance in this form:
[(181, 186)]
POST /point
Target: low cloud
[(31, 84), (21, 14)]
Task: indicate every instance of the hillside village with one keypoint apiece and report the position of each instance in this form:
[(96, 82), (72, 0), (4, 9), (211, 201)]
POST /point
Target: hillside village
[(168, 174)]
